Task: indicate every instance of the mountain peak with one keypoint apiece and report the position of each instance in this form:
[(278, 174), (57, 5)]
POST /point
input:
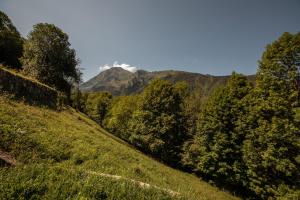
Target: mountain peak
[(111, 80), (119, 81), (115, 69), (116, 72), (124, 66)]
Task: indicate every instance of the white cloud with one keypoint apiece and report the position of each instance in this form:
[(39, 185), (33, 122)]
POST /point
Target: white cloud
[(116, 64)]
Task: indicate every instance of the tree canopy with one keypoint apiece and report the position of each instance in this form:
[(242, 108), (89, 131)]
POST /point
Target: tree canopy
[(11, 43), (157, 124), (119, 116), (216, 149), (49, 58), (97, 105), (272, 142)]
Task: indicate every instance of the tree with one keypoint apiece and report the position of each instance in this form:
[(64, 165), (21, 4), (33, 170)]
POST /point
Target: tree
[(157, 125), (272, 146), (78, 99), (49, 58), (192, 107), (118, 117), (98, 105), (11, 43), (216, 151)]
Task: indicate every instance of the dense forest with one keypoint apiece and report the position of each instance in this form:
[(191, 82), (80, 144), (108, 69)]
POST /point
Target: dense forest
[(244, 136)]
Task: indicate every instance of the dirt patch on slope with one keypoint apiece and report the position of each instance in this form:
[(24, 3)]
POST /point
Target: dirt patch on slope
[(7, 160)]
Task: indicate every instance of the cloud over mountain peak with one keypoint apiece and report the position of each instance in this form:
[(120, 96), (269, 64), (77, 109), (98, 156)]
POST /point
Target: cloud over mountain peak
[(116, 64)]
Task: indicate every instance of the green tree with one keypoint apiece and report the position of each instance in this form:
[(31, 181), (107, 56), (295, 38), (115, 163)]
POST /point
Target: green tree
[(157, 124), (119, 116), (78, 99), (272, 145), (11, 43), (48, 57), (97, 105), (216, 151), (192, 107)]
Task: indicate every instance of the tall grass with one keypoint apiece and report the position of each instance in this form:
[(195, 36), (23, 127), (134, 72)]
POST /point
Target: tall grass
[(56, 149)]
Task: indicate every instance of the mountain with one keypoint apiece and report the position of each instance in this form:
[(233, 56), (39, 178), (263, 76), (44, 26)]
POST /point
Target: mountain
[(112, 80), (50, 154), (121, 82)]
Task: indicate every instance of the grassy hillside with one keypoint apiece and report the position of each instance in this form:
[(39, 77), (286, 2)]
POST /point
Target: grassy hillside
[(28, 89), (63, 154)]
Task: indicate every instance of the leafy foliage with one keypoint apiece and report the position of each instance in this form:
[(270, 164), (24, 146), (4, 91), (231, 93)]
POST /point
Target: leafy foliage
[(79, 100), (193, 102), (216, 149), (49, 58), (157, 124), (97, 105), (11, 43), (250, 138), (118, 117), (272, 132)]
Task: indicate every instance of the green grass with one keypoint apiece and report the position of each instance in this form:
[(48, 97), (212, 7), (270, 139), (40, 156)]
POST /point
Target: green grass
[(57, 150), (16, 73)]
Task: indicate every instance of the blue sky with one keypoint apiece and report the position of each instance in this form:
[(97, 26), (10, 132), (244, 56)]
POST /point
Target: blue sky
[(210, 37)]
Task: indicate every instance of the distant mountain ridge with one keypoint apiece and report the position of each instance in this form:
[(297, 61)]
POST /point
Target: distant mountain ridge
[(121, 82)]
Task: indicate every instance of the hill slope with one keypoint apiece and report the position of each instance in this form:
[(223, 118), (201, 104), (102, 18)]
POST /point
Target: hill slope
[(64, 154), (121, 82)]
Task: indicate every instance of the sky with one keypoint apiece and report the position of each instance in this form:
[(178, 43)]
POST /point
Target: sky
[(204, 36)]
